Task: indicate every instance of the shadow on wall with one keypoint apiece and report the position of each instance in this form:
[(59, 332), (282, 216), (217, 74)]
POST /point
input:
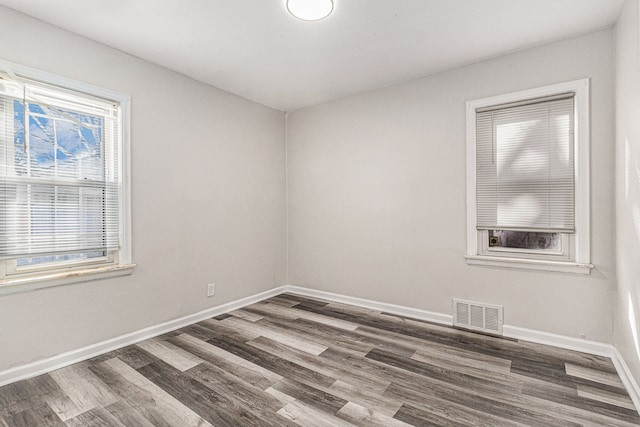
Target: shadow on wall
[(632, 185), (633, 324)]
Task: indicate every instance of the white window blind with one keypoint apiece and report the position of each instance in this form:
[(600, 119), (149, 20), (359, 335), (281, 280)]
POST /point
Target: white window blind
[(525, 165), (59, 172)]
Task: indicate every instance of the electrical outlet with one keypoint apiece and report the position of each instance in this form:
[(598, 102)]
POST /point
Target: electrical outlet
[(211, 289)]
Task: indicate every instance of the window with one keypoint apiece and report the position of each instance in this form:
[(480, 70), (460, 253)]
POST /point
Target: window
[(528, 179), (63, 181)]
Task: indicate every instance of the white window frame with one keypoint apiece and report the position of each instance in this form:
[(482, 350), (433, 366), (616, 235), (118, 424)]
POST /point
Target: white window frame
[(15, 279), (579, 261)]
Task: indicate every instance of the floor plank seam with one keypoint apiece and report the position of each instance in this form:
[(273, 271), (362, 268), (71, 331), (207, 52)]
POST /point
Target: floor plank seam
[(295, 360)]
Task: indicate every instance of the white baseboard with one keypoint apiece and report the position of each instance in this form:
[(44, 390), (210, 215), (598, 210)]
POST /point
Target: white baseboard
[(627, 378), (65, 359), (591, 347), (416, 313), (560, 341)]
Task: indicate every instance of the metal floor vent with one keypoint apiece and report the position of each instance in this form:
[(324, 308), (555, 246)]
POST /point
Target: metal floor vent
[(477, 316)]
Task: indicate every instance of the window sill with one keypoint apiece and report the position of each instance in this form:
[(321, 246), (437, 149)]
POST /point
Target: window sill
[(530, 264), (14, 285)]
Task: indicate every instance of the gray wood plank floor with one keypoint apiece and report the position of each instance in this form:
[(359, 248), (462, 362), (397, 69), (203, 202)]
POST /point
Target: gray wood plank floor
[(292, 360)]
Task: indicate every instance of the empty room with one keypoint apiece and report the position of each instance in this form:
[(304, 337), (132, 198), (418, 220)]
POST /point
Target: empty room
[(320, 213)]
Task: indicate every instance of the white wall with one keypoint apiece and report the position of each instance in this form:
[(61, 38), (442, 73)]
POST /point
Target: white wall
[(208, 184), (627, 302), (376, 197), (377, 194)]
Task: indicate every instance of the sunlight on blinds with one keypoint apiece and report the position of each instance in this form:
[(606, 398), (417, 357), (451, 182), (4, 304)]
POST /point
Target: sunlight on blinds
[(525, 167)]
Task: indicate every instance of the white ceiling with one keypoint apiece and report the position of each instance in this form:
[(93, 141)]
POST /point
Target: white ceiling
[(255, 49)]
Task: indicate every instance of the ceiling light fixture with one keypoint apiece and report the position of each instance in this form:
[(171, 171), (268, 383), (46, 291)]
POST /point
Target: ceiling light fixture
[(310, 10)]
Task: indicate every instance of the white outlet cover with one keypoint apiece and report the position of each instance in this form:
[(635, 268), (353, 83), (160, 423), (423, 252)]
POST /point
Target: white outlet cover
[(211, 289)]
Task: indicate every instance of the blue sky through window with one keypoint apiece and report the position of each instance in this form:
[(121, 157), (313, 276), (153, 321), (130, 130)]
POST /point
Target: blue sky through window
[(60, 144)]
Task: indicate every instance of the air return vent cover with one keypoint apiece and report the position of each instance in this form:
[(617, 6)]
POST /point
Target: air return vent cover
[(477, 316)]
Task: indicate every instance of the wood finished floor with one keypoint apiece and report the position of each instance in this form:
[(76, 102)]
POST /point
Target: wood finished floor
[(292, 360)]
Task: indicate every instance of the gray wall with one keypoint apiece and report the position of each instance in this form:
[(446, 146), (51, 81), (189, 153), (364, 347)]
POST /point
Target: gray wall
[(377, 194), (627, 303), (208, 204), (376, 197)]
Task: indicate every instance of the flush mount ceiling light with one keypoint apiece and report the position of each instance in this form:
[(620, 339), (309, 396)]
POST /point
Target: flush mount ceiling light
[(310, 10)]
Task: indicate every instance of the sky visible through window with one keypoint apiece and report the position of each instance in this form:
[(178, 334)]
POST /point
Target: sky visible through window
[(59, 144)]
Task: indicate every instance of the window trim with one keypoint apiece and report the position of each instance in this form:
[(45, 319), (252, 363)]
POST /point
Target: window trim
[(122, 263), (12, 269), (581, 262)]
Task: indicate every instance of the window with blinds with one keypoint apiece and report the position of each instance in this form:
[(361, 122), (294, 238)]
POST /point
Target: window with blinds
[(525, 166), (59, 175), (528, 179)]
